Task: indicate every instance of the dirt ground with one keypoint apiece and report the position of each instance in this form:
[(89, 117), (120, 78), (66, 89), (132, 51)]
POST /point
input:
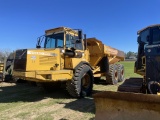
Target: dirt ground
[(23, 101)]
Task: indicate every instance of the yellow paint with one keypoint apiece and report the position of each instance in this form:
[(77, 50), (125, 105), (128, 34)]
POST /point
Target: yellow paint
[(42, 59), (42, 75), (98, 50)]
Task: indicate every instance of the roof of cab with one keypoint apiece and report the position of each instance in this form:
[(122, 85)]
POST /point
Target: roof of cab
[(59, 29), (148, 27)]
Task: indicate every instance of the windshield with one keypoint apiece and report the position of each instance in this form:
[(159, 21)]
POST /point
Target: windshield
[(156, 35), (150, 35), (54, 40), (57, 41), (144, 35)]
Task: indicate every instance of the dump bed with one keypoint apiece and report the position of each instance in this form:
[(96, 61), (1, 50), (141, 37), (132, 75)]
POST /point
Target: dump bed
[(98, 50), (114, 54)]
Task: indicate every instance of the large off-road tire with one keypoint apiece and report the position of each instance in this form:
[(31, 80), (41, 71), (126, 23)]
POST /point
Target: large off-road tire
[(82, 82), (120, 69), (8, 76), (112, 76)]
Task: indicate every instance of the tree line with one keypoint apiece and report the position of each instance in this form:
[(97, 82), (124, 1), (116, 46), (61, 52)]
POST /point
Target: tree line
[(131, 55)]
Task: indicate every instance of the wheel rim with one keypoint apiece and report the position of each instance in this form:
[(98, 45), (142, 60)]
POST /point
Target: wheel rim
[(116, 75), (122, 72), (86, 80)]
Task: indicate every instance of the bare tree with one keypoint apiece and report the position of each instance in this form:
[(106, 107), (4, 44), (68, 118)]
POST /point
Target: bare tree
[(4, 53)]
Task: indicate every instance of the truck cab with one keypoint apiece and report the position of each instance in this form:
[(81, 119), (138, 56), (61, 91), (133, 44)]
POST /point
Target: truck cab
[(148, 60), (61, 38), (146, 37)]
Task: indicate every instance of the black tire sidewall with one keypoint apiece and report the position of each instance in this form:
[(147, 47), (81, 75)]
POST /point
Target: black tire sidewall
[(74, 86), (120, 76), (82, 91), (89, 89), (114, 80)]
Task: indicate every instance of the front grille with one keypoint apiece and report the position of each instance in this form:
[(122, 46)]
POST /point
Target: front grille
[(20, 60)]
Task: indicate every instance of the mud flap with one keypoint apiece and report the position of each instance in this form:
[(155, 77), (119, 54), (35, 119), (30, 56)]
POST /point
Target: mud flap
[(126, 106)]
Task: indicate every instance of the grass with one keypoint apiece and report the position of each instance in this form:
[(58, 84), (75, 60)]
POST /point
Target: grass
[(22, 101), (129, 69)]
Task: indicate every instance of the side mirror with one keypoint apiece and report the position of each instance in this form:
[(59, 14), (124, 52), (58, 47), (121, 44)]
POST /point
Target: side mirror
[(38, 43), (80, 34), (85, 42), (38, 46)]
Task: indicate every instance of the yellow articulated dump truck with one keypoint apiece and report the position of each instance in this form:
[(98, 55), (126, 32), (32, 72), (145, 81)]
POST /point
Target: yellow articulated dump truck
[(64, 54), (137, 98)]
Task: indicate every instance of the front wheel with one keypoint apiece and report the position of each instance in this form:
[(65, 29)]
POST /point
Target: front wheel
[(82, 82)]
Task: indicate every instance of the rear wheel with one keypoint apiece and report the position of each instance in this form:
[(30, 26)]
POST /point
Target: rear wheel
[(112, 76), (82, 82), (120, 69)]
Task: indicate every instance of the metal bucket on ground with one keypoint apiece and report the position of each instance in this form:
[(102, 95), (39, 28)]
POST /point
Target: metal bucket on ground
[(126, 106)]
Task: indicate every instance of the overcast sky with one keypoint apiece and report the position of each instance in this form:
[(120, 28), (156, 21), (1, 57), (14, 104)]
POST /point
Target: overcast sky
[(114, 22)]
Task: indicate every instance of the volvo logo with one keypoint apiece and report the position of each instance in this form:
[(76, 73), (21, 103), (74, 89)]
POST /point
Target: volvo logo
[(42, 53)]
